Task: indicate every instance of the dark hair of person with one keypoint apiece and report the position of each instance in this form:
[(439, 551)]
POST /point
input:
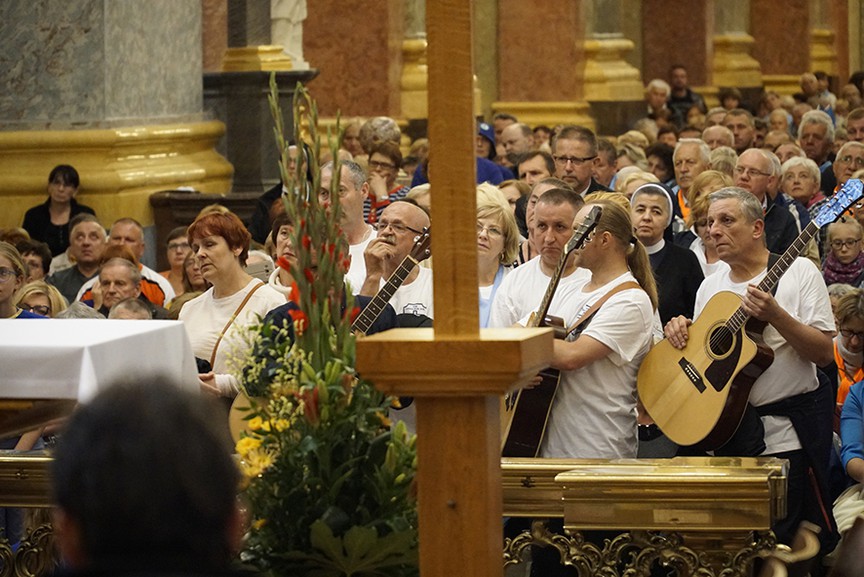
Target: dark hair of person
[(65, 174), (145, 472), (38, 248), (282, 219)]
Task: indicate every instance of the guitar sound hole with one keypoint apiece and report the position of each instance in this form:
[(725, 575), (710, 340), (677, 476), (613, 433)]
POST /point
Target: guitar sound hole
[(721, 341)]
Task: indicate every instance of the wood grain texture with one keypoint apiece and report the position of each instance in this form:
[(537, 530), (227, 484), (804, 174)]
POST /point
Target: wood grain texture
[(452, 166)]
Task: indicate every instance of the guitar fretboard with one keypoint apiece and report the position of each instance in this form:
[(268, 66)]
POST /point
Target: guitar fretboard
[(364, 321)]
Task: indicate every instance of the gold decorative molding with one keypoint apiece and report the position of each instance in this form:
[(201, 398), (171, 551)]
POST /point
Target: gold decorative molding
[(120, 167), (782, 84), (607, 76), (822, 54), (732, 63), (414, 83), (256, 58), (548, 113)]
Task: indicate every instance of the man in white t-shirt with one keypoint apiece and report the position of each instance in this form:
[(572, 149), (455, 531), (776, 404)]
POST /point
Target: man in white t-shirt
[(353, 191), (522, 290), (794, 410), (398, 227)]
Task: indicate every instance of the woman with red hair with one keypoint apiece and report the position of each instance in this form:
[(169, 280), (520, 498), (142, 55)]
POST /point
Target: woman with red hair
[(216, 320)]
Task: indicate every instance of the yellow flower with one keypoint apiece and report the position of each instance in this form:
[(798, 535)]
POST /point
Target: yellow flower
[(385, 420), (256, 462), (246, 445), (282, 424), (255, 423), (258, 523)]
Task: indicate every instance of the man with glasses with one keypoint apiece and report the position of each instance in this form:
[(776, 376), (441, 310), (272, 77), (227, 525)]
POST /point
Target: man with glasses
[(574, 150), (353, 194), (400, 224), (755, 172)]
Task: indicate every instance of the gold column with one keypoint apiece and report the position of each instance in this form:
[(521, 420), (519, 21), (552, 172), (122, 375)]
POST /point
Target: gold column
[(732, 64), (607, 76), (822, 54)]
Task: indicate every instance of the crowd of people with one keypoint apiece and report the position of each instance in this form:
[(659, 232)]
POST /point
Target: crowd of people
[(694, 201)]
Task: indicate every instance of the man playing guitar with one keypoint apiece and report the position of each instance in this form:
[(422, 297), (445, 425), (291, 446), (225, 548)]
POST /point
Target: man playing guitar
[(791, 407)]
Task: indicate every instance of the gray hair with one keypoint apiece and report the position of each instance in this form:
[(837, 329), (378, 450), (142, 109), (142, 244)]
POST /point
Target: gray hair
[(850, 144), (751, 208), (378, 129), (132, 305), (358, 175), (661, 84), (134, 273), (805, 163), (704, 149), (817, 117), (79, 310)]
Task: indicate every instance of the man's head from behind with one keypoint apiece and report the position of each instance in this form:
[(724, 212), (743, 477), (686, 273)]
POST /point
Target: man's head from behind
[(184, 507)]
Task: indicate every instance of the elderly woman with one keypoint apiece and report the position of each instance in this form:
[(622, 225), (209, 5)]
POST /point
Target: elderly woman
[(49, 222), (497, 244), (844, 259), (216, 320), (281, 279), (800, 178), (13, 271), (41, 298)]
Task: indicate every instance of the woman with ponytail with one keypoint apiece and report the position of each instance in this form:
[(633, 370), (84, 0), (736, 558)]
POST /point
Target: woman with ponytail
[(611, 317)]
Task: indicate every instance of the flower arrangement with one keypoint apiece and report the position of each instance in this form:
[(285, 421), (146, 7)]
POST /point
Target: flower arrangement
[(330, 487)]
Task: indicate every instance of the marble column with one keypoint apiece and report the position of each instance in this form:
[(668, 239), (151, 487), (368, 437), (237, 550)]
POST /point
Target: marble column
[(541, 54), (782, 62), (612, 85), (686, 44), (822, 54), (733, 65), (113, 88)]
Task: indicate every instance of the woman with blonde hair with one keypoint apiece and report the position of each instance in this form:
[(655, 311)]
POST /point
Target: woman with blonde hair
[(41, 298), (497, 244), (13, 271), (594, 413)]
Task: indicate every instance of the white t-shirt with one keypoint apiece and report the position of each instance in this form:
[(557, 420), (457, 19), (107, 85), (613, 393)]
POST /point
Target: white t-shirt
[(414, 298), (522, 290), (206, 316), (801, 292), (594, 413), (357, 271)]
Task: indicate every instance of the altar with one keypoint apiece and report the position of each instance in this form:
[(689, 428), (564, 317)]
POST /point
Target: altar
[(49, 366)]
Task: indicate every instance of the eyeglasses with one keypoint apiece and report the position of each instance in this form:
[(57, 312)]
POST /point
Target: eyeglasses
[(750, 172), (574, 160), (178, 246), (850, 334), (491, 230), (43, 310), (858, 160), (381, 165), (6, 274), (396, 227), (838, 244)]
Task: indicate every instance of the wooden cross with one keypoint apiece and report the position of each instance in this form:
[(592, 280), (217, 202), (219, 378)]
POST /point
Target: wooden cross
[(457, 373)]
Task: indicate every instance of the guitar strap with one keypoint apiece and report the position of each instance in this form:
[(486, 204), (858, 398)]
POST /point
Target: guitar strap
[(585, 318)]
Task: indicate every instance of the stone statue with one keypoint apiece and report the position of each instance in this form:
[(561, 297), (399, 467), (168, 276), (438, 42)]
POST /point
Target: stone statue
[(286, 29)]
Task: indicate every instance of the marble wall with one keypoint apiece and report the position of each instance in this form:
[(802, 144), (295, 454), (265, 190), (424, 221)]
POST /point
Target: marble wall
[(80, 63)]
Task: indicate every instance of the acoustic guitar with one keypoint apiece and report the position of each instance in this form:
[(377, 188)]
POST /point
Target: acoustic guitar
[(528, 409), (421, 250), (698, 394)]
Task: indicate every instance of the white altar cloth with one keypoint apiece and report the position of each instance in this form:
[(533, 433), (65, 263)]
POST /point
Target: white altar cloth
[(74, 359)]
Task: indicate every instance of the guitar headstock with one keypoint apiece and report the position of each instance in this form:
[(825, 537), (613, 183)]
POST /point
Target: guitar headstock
[(583, 231), (422, 248), (851, 193)]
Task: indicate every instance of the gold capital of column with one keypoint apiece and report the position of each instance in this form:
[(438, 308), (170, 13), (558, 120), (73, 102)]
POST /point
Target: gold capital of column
[(607, 76), (255, 59), (733, 65), (822, 54), (414, 83)]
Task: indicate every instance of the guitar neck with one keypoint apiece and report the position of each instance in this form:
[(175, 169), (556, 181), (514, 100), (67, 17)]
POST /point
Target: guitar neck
[(772, 277), (550, 291), (373, 310)]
